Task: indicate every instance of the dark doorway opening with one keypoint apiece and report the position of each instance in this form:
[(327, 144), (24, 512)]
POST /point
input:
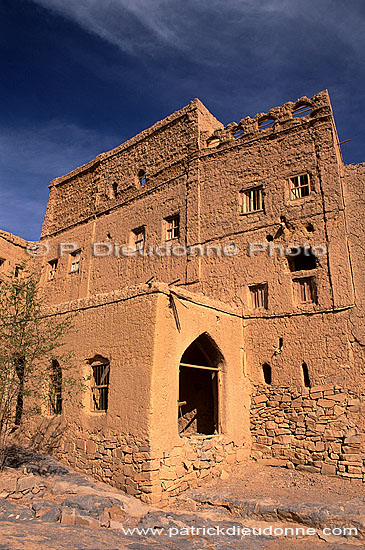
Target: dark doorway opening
[(198, 388)]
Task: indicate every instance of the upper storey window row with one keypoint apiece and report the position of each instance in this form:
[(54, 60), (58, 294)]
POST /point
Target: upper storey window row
[(270, 122), (252, 199), (52, 267), (137, 240)]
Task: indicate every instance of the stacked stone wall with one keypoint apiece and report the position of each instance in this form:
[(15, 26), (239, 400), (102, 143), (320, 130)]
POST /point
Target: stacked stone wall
[(131, 465), (314, 429), (197, 459)]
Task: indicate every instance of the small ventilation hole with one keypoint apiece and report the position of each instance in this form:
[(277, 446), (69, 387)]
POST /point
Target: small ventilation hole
[(142, 178)]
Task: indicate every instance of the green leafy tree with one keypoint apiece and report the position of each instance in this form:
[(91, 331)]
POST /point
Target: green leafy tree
[(35, 373)]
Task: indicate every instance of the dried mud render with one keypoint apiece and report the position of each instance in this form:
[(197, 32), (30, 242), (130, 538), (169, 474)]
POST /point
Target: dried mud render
[(199, 170)]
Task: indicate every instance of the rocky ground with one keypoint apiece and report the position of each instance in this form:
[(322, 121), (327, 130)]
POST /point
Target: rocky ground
[(44, 504)]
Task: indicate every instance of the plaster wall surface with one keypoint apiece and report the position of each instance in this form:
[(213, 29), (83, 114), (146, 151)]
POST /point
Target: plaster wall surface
[(12, 252)]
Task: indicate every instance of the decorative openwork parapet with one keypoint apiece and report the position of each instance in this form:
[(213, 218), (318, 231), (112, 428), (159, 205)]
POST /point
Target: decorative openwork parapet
[(291, 114)]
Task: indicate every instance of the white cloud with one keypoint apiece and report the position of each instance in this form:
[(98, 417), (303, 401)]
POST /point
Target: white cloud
[(203, 29), (123, 23)]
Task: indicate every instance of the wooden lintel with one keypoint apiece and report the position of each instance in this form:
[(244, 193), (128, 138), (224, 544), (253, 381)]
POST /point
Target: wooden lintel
[(198, 367)]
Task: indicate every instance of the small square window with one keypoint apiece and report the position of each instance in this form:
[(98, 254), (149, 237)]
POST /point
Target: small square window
[(138, 238), (75, 261), (259, 296), (52, 267), (305, 290), (299, 187), (142, 178), (172, 227), (252, 200)]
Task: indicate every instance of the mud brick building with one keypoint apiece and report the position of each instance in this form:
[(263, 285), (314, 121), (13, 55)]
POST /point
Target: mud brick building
[(198, 360)]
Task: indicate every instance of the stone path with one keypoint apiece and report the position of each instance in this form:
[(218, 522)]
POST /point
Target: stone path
[(48, 506)]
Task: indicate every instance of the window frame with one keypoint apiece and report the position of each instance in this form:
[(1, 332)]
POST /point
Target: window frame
[(55, 389), (18, 272), (100, 389), (305, 286), (171, 228), (75, 259), (141, 177), (139, 244), (256, 291), (52, 268), (293, 189), (246, 199)]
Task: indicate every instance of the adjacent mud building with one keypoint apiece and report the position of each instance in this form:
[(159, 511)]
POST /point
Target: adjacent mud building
[(218, 279)]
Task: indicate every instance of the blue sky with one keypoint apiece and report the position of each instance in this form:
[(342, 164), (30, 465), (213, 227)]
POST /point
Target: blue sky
[(81, 76)]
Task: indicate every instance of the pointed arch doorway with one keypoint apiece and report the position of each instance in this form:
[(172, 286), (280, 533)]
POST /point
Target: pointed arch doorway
[(198, 404)]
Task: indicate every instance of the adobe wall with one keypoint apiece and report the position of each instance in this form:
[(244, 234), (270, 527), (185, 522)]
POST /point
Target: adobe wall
[(112, 178), (354, 197), (184, 461), (103, 274), (164, 152), (12, 252), (319, 429), (205, 192), (112, 446), (268, 158), (135, 445), (317, 333)]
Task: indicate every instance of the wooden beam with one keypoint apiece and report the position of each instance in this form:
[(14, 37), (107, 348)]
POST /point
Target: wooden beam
[(198, 367)]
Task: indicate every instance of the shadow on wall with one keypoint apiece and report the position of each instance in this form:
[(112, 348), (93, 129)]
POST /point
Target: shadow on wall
[(44, 436)]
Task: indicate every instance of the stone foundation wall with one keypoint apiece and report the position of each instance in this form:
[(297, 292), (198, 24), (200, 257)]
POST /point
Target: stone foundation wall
[(122, 461), (134, 467), (131, 465), (314, 429), (197, 459)]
